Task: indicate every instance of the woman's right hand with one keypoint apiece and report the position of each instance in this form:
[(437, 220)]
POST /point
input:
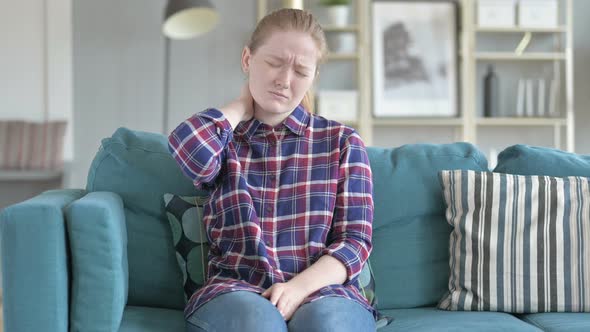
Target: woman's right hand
[(240, 109)]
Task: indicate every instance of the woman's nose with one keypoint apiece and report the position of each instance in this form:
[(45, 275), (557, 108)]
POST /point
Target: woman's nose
[(283, 79)]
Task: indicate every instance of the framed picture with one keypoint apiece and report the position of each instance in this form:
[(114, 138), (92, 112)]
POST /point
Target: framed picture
[(414, 59)]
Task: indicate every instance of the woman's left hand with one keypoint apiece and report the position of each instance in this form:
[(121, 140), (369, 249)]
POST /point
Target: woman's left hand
[(287, 297)]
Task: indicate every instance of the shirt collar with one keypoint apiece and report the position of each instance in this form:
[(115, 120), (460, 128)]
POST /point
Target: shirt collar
[(297, 122)]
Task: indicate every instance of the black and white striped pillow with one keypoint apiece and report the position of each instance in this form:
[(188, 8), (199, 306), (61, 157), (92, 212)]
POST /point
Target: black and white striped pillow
[(519, 244)]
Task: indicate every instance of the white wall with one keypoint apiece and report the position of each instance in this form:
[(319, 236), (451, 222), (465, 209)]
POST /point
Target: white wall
[(119, 69), (36, 62), (582, 75)]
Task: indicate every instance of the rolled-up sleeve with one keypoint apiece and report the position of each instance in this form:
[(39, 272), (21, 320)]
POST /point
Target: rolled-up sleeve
[(350, 239), (198, 143)]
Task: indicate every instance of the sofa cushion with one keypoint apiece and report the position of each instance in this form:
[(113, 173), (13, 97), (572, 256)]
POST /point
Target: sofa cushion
[(559, 321), (137, 166), (533, 160), (98, 246), (188, 235), (431, 319), (410, 257), (518, 243), (144, 319)]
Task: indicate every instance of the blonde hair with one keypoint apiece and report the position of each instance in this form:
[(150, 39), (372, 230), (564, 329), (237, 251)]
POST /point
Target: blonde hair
[(289, 19)]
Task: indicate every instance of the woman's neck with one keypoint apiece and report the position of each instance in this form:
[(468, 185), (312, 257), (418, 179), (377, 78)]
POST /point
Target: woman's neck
[(268, 118)]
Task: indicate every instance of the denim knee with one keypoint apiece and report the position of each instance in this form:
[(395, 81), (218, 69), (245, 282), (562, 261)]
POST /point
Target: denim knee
[(332, 314), (237, 311)]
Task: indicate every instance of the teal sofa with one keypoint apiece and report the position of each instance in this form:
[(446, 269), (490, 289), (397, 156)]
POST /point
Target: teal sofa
[(102, 259)]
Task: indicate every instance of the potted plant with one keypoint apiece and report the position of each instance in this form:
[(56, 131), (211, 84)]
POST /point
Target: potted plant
[(338, 11)]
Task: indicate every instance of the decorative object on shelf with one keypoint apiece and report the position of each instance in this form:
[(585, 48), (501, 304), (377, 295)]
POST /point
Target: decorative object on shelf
[(26, 145), (338, 11), (496, 13), (414, 59), (338, 15), (296, 4), (524, 43), (183, 19), (341, 42), (338, 105), (538, 13), (491, 94)]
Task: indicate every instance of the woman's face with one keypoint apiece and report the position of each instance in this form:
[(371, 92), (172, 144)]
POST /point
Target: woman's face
[(280, 72)]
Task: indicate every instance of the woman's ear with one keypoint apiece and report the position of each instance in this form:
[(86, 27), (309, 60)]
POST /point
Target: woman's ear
[(246, 56)]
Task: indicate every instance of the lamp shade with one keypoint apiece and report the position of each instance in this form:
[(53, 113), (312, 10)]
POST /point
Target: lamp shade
[(188, 18)]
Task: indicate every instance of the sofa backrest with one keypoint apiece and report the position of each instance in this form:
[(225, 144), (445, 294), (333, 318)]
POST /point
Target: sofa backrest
[(410, 257), (137, 166)]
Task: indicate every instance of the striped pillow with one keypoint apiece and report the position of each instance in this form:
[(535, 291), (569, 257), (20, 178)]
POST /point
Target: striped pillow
[(519, 244)]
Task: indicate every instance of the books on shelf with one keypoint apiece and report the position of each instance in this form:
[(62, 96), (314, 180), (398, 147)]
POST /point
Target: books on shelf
[(28, 145), (553, 97), (541, 101), (533, 99), (530, 106)]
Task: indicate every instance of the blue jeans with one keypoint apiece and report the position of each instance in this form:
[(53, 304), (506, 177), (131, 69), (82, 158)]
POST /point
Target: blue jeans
[(248, 312)]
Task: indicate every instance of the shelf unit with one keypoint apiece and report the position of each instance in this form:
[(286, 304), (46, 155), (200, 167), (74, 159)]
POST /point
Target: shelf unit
[(467, 125), (471, 58), (499, 56), (30, 175)]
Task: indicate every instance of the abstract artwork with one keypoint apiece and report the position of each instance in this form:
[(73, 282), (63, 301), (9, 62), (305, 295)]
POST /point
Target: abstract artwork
[(414, 59)]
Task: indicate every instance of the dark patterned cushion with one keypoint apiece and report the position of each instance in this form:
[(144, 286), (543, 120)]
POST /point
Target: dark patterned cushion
[(185, 218), (367, 283)]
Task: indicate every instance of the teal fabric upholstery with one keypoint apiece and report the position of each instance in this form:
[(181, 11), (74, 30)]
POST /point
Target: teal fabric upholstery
[(35, 263), (559, 321), (534, 160), (138, 167), (144, 319), (410, 257), (98, 241), (434, 320)]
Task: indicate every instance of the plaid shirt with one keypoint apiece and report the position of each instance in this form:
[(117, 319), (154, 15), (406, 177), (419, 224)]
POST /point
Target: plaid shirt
[(279, 199)]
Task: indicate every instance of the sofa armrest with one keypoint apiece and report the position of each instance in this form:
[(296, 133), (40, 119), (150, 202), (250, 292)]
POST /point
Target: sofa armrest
[(35, 262), (98, 241)]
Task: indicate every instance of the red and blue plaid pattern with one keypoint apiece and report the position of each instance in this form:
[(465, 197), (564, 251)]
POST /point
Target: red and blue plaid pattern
[(280, 198)]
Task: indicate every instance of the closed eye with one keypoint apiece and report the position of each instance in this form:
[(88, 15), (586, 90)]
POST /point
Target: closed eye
[(274, 65)]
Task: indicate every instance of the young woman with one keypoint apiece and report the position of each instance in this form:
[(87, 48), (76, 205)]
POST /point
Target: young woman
[(290, 209)]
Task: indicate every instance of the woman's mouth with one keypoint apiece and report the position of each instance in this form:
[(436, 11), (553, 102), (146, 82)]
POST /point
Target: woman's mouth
[(278, 95)]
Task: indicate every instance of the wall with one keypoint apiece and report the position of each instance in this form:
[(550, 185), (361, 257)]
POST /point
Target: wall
[(36, 62), (119, 69), (582, 75), (35, 76)]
